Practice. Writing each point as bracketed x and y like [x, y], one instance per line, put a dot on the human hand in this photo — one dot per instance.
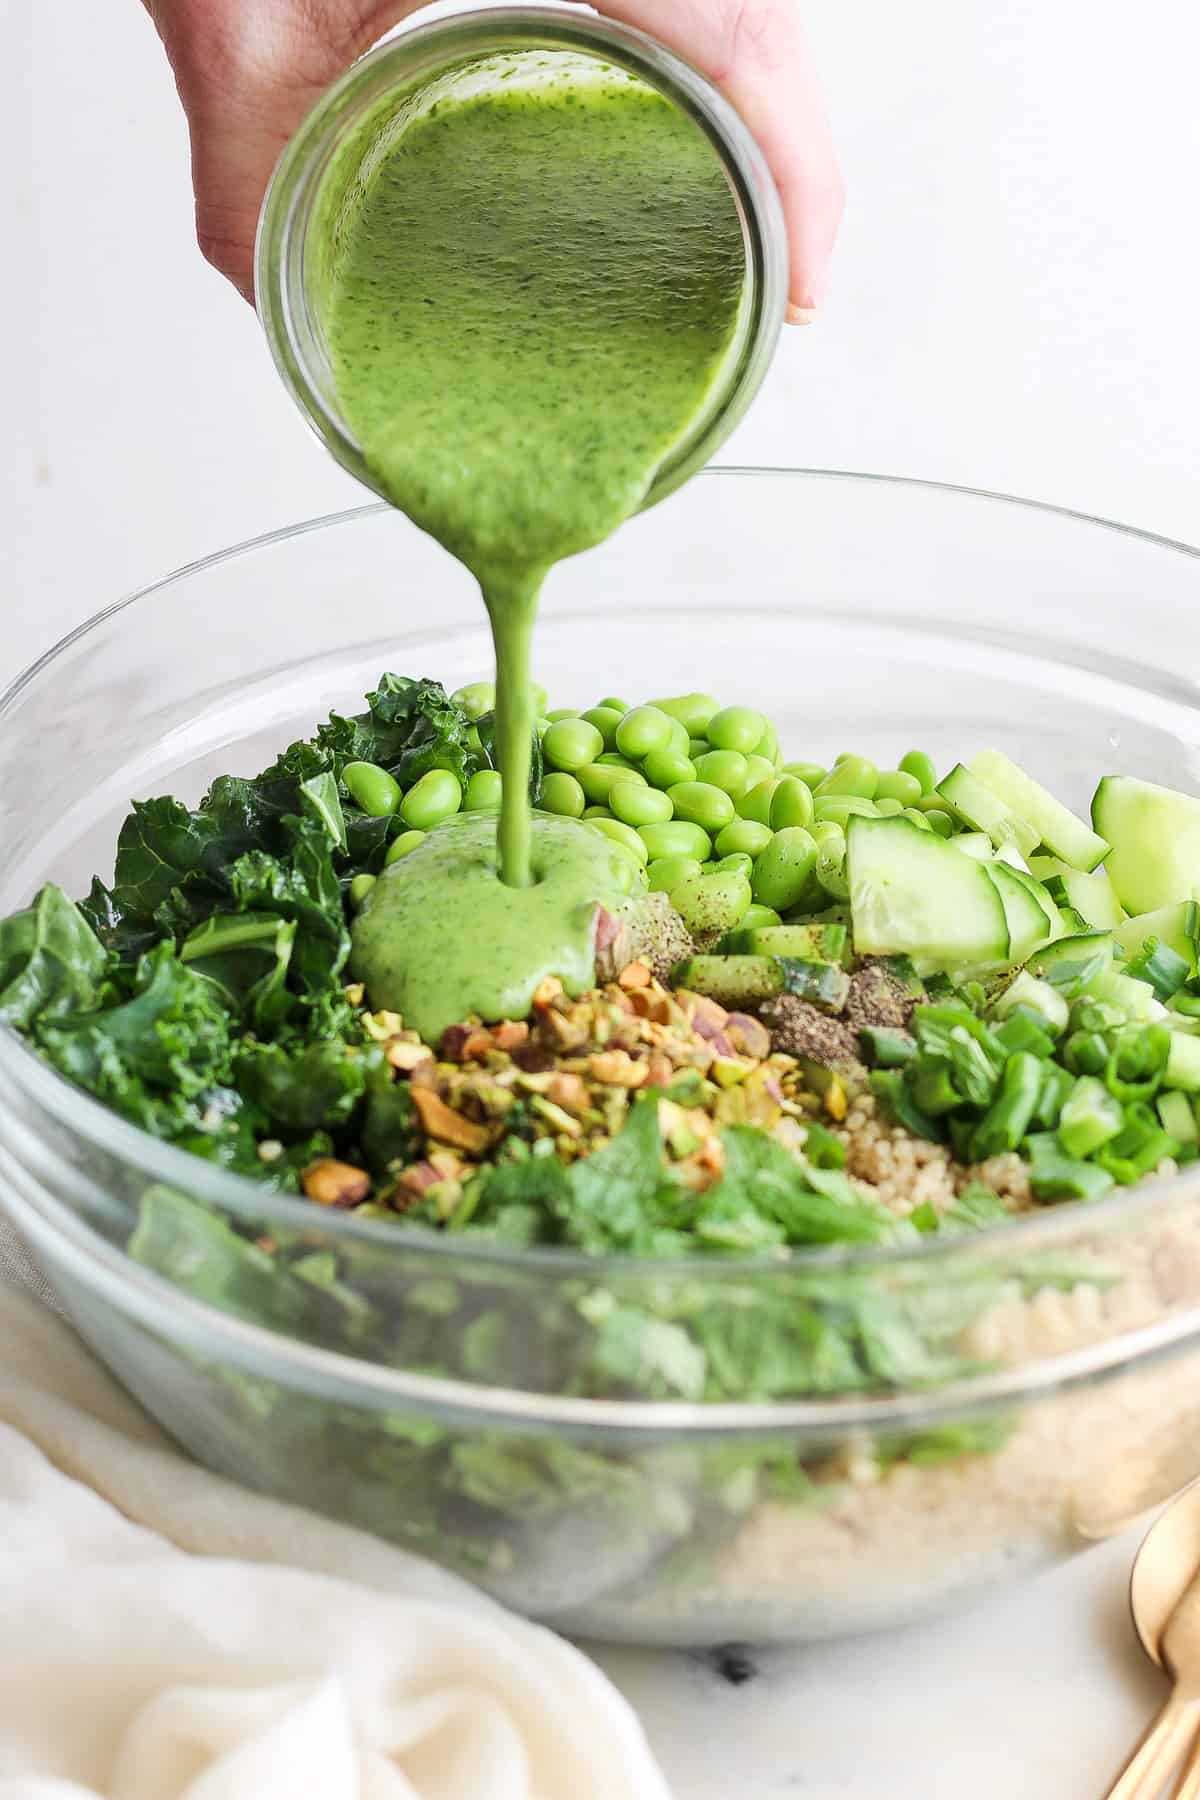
[249, 70]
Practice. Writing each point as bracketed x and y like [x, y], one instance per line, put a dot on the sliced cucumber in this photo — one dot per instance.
[1055, 826]
[1038, 996]
[1071, 962]
[1155, 838]
[913, 894]
[732, 980]
[1176, 926]
[819, 943]
[822, 984]
[1093, 897]
[975, 843]
[984, 810]
[1055, 928]
[1028, 922]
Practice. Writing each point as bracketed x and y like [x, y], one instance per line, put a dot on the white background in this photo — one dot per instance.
[1014, 306]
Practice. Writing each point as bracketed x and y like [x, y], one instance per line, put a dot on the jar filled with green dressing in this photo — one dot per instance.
[323, 303]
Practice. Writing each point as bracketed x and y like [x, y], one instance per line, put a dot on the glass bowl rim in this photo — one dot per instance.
[87, 1117]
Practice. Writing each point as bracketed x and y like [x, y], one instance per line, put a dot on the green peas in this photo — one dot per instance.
[610, 703]
[736, 864]
[377, 792]
[677, 837]
[605, 719]
[920, 767]
[840, 807]
[572, 743]
[624, 835]
[402, 846]
[755, 803]
[724, 769]
[636, 804]
[756, 916]
[692, 710]
[851, 775]
[783, 870]
[483, 792]
[744, 837]
[477, 698]
[598, 779]
[435, 797]
[887, 809]
[811, 774]
[736, 728]
[701, 804]
[791, 804]
[941, 822]
[894, 784]
[642, 730]
[360, 887]
[714, 903]
[697, 747]
[562, 794]
[758, 768]
[666, 872]
[663, 768]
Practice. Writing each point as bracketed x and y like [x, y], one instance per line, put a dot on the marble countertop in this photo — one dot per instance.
[1037, 1692]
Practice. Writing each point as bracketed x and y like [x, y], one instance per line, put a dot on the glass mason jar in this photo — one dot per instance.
[342, 134]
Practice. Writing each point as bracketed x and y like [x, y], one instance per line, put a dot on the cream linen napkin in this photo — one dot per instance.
[165, 1635]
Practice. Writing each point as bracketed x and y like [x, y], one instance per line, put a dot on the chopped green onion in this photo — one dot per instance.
[1024, 1030]
[1007, 1119]
[1090, 1117]
[1183, 1063]
[1178, 1118]
[888, 1085]
[932, 1089]
[1055, 1176]
[1086, 1053]
[886, 1048]
[1057, 1083]
[1164, 968]
[1138, 1063]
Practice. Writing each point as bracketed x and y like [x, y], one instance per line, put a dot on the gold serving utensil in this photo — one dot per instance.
[1164, 1597]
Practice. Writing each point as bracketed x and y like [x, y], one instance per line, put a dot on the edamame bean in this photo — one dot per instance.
[920, 767]
[605, 719]
[701, 804]
[840, 807]
[756, 916]
[736, 728]
[612, 704]
[755, 803]
[636, 804]
[663, 768]
[360, 887]
[562, 712]
[931, 802]
[540, 728]
[887, 808]
[811, 774]
[562, 794]
[894, 784]
[483, 791]
[595, 812]
[614, 760]
[679, 739]
[677, 837]
[725, 769]
[692, 710]
[624, 835]
[712, 903]
[642, 730]
[435, 797]
[372, 788]
[744, 837]
[572, 743]
[539, 697]
[402, 846]
[768, 746]
[831, 874]
[783, 871]
[758, 768]
[666, 872]
[791, 804]
[477, 698]
[598, 779]
[736, 864]
[918, 817]
[697, 747]
[851, 775]
[941, 822]
[825, 832]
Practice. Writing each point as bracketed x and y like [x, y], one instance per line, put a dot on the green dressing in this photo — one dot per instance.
[536, 279]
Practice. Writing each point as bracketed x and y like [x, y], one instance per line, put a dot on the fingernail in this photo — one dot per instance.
[800, 315]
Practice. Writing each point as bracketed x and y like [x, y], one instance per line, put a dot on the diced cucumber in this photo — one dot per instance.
[1178, 1116]
[913, 894]
[975, 843]
[1176, 926]
[1027, 990]
[819, 943]
[1135, 999]
[822, 984]
[1183, 1065]
[1069, 963]
[1093, 896]
[1155, 837]
[731, 980]
[984, 810]
[1056, 827]
[1028, 922]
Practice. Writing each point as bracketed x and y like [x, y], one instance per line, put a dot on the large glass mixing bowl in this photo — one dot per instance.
[494, 1423]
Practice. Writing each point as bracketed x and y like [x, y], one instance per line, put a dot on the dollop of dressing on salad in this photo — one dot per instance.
[442, 937]
[536, 277]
